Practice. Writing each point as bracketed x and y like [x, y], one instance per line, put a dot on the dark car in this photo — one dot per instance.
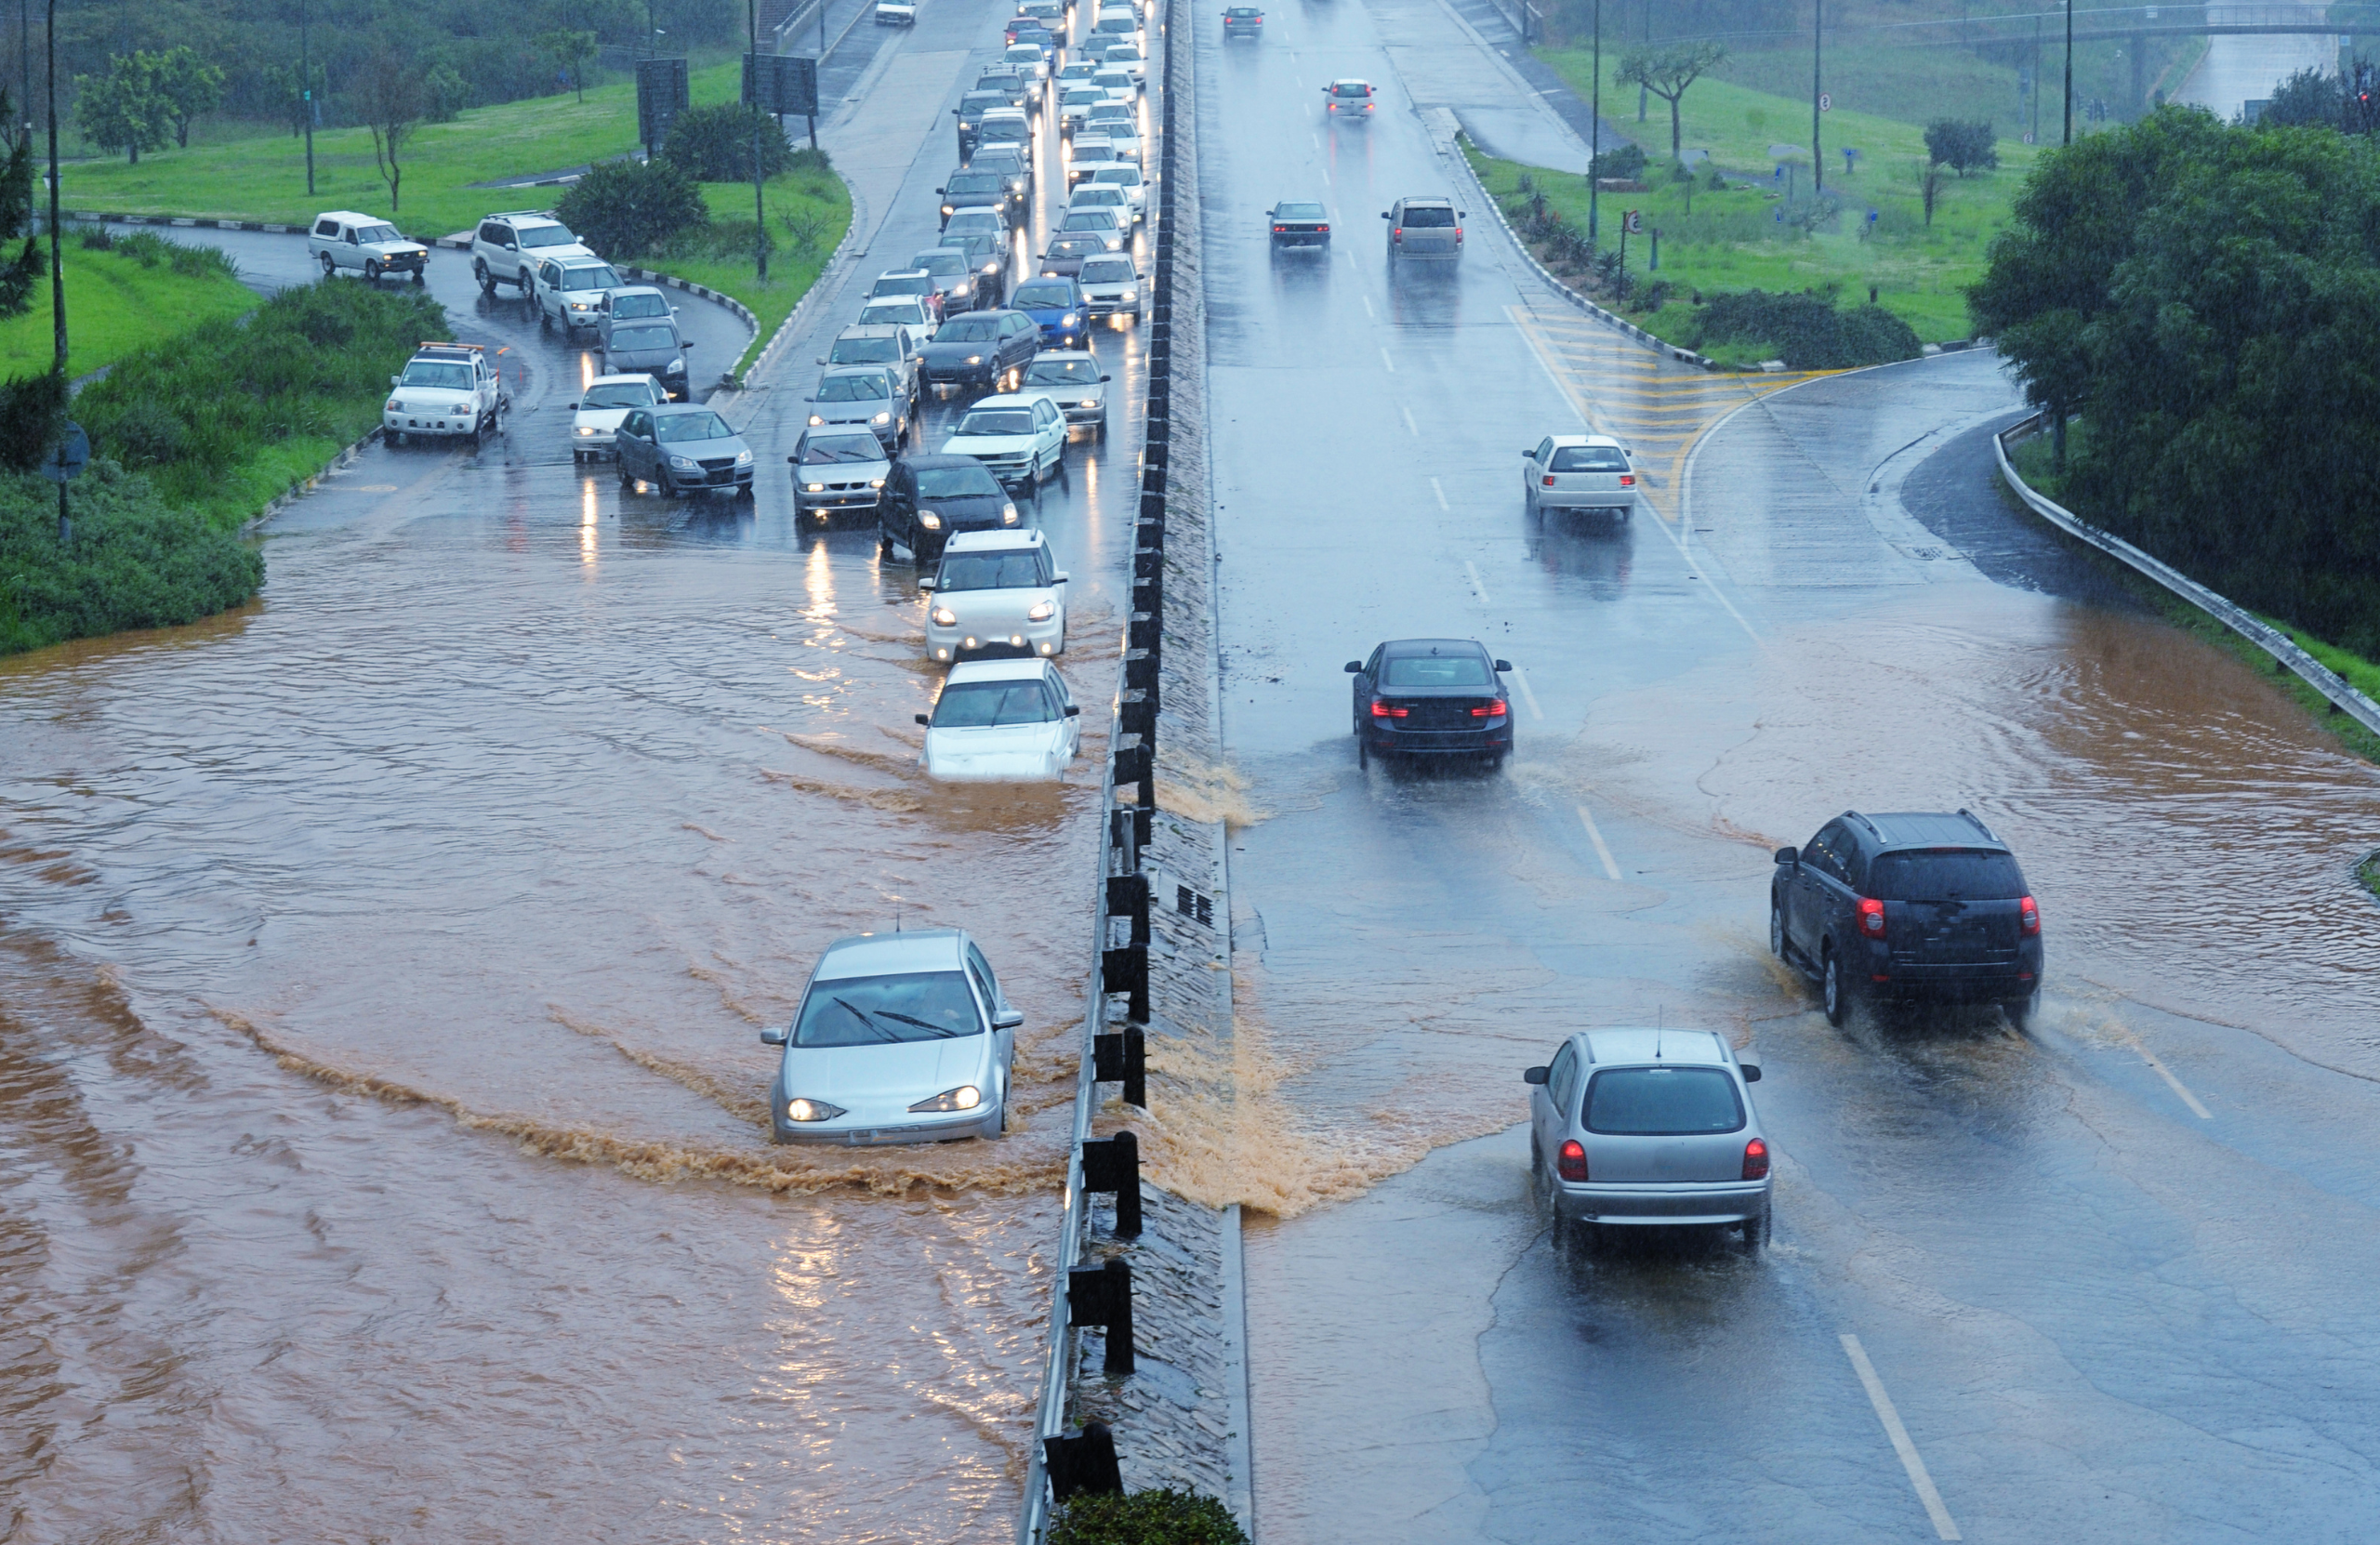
[648, 346]
[972, 190]
[927, 497]
[1067, 254]
[1008, 84]
[1432, 698]
[683, 448]
[1299, 224]
[1243, 22]
[953, 275]
[969, 113]
[1010, 161]
[1908, 907]
[979, 349]
[1057, 306]
[990, 266]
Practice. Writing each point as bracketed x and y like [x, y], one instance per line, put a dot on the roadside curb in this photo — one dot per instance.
[2344, 698]
[298, 490]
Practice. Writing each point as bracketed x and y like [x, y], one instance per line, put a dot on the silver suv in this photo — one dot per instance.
[448, 392]
[503, 247]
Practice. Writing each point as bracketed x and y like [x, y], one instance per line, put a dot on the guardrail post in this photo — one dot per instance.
[1124, 1058]
[1127, 896]
[1103, 1296]
[1083, 1466]
[1115, 1164]
[1120, 833]
[1126, 970]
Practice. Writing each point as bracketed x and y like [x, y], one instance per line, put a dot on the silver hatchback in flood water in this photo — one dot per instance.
[1649, 1127]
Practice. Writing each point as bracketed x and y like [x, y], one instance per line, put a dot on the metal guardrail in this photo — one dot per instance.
[2344, 698]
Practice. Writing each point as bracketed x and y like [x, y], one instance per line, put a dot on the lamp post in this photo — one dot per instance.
[1594, 128]
[2069, 101]
[760, 215]
[306, 94]
[57, 257]
[1817, 93]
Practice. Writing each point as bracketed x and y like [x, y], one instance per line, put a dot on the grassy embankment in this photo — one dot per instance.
[264, 178]
[115, 304]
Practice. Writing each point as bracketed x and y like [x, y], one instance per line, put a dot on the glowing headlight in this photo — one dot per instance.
[585, 429]
[1130, 294]
[811, 1110]
[684, 463]
[1090, 402]
[1115, 243]
[944, 618]
[876, 482]
[1042, 611]
[966, 1097]
[1068, 320]
[974, 359]
[1008, 514]
[928, 520]
[743, 458]
[815, 421]
[580, 306]
[884, 418]
[813, 488]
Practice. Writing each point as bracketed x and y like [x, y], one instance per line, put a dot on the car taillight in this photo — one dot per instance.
[2029, 915]
[1324, 228]
[1279, 228]
[1571, 1164]
[1627, 479]
[1756, 1160]
[1457, 234]
[1397, 235]
[1489, 710]
[1388, 710]
[1871, 916]
[1548, 480]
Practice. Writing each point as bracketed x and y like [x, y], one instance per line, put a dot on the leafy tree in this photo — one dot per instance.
[1666, 71]
[1962, 146]
[121, 109]
[2309, 96]
[186, 87]
[714, 144]
[1929, 186]
[387, 94]
[625, 210]
[571, 49]
[1626, 162]
[445, 94]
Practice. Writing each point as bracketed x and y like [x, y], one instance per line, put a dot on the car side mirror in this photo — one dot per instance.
[1462, 213]
[1536, 1074]
[1788, 855]
[1355, 668]
[1752, 1072]
[1058, 578]
[393, 380]
[925, 582]
[773, 1035]
[940, 190]
[1073, 710]
[570, 408]
[923, 719]
[793, 458]
[1529, 455]
[1008, 1019]
[822, 358]
[1383, 214]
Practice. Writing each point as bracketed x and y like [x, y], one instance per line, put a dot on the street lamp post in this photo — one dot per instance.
[1818, 91]
[1594, 128]
[2069, 98]
[306, 94]
[57, 255]
[759, 214]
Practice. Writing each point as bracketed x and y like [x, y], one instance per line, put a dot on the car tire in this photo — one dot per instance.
[1776, 930]
[371, 270]
[421, 276]
[487, 280]
[2021, 1010]
[627, 484]
[545, 323]
[1363, 750]
[1834, 991]
[329, 268]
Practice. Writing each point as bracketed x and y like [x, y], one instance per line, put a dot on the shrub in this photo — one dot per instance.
[33, 413]
[1963, 147]
[625, 210]
[1166, 1517]
[1627, 161]
[714, 144]
[135, 561]
[1808, 331]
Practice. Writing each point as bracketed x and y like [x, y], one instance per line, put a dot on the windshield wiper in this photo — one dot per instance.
[938, 1030]
[862, 1015]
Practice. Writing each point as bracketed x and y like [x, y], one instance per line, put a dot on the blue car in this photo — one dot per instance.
[1058, 307]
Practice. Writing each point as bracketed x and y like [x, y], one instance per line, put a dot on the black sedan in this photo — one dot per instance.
[979, 349]
[1299, 224]
[1432, 698]
[927, 497]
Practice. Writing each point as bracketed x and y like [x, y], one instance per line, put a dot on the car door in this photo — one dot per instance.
[987, 988]
[1820, 891]
[1362, 689]
[633, 444]
[899, 518]
[1549, 1104]
[1533, 464]
[1053, 429]
[1029, 340]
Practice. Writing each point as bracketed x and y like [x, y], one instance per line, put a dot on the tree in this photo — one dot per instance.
[1963, 147]
[1929, 186]
[186, 86]
[625, 210]
[1666, 71]
[714, 144]
[387, 94]
[2309, 96]
[571, 49]
[121, 110]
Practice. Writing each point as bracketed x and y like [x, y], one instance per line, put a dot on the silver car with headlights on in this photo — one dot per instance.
[996, 593]
[1633, 1129]
[901, 1038]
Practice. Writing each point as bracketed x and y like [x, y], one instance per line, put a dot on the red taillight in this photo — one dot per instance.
[1489, 710]
[1756, 1160]
[1627, 479]
[2029, 915]
[1323, 228]
[1548, 480]
[1388, 710]
[1280, 229]
[1871, 916]
[1457, 234]
[1571, 1164]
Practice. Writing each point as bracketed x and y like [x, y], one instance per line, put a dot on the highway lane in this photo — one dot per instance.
[2090, 1309]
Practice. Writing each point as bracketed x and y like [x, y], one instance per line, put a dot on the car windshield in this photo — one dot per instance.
[1945, 874]
[997, 421]
[852, 388]
[619, 394]
[911, 284]
[1064, 372]
[378, 234]
[967, 329]
[1118, 177]
[1100, 198]
[1663, 1102]
[1124, 53]
[639, 305]
[828, 449]
[869, 1011]
[1108, 270]
[1436, 670]
[1350, 89]
[590, 276]
[1588, 458]
[1112, 112]
[1089, 219]
[673, 428]
[989, 571]
[626, 340]
[943, 264]
[864, 351]
[438, 375]
[973, 220]
[955, 482]
[897, 308]
[976, 102]
[991, 705]
[977, 182]
[1044, 295]
[1298, 212]
[1085, 96]
[1428, 218]
[1074, 246]
[547, 235]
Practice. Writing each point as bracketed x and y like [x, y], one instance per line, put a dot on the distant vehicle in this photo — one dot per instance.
[343, 238]
[969, 113]
[1128, 56]
[1088, 156]
[886, 345]
[1243, 22]
[599, 409]
[1078, 72]
[1648, 1129]
[1002, 720]
[862, 397]
[1095, 194]
[1003, 126]
[929, 498]
[1051, 14]
[1013, 161]
[1128, 178]
[1075, 104]
[1068, 254]
[967, 188]
[1350, 99]
[1019, 437]
[1424, 228]
[681, 448]
[1005, 80]
[1432, 698]
[1034, 31]
[1074, 379]
[909, 283]
[447, 391]
[632, 303]
[901, 13]
[1057, 307]
[901, 1038]
[1113, 27]
[503, 246]
[1111, 286]
[1118, 84]
[837, 470]
[570, 293]
[1911, 908]
[1031, 60]
[954, 277]
[1120, 122]
[989, 252]
[995, 592]
[655, 348]
[981, 349]
[1299, 223]
[977, 221]
[899, 310]
[1577, 471]
[1113, 223]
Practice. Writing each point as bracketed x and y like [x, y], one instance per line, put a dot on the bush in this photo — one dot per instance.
[714, 144]
[625, 210]
[1962, 147]
[32, 415]
[1808, 331]
[1166, 1517]
[135, 561]
[1627, 161]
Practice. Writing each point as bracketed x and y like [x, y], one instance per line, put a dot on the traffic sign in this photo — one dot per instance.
[69, 457]
[1633, 223]
[660, 95]
[787, 84]
[1826, 101]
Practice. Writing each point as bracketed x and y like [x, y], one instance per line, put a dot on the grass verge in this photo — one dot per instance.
[115, 303]
[809, 210]
[135, 560]
[2369, 873]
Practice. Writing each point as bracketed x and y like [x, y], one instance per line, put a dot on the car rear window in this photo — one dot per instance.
[1662, 1102]
[864, 351]
[1428, 218]
[1436, 670]
[639, 305]
[1946, 874]
[872, 1010]
[909, 283]
[989, 571]
[1298, 212]
[1588, 458]
[1350, 89]
[997, 421]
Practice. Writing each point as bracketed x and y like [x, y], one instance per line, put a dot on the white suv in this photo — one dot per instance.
[505, 246]
[570, 292]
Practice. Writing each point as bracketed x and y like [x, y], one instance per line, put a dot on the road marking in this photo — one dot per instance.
[1367, 308]
[1437, 488]
[1416, 430]
[1899, 1435]
[2162, 1072]
[1520, 678]
[1478, 588]
[1596, 837]
[1387, 362]
[1316, 139]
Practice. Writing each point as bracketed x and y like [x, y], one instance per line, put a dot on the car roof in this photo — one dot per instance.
[1397, 647]
[927, 462]
[1563, 440]
[999, 670]
[1704, 1048]
[1928, 829]
[353, 215]
[624, 378]
[519, 217]
[639, 289]
[870, 329]
[994, 541]
[888, 953]
[1010, 400]
[678, 410]
[903, 274]
[1427, 199]
[1066, 356]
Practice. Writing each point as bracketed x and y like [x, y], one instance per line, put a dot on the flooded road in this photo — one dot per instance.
[381, 973]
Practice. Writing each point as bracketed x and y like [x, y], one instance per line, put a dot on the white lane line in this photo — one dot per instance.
[2162, 1072]
[1411, 427]
[1367, 308]
[1596, 837]
[1520, 679]
[1439, 490]
[1317, 140]
[1386, 364]
[1899, 1435]
[1478, 588]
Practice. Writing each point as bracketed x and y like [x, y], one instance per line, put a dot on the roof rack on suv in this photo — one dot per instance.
[1989, 834]
[426, 345]
[1854, 815]
[520, 214]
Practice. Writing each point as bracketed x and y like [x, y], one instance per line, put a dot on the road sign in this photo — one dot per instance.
[69, 457]
[1826, 101]
[1633, 223]
[787, 84]
[660, 96]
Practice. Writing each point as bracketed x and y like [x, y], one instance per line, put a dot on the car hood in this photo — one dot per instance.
[1106, 286]
[947, 351]
[597, 418]
[706, 450]
[394, 249]
[976, 609]
[1012, 752]
[841, 471]
[880, 1082]
[633, 360]
[1045, 313]
[987, 444]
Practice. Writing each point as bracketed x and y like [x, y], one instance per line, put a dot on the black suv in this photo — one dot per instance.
[1908, 907]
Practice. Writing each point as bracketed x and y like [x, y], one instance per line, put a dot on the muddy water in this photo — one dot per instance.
[380, 978]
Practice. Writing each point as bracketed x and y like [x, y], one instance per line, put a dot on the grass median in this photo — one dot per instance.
[118, 301]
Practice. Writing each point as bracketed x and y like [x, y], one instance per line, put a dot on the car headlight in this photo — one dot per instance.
[813, 488]
[685, 462]
[743, 458]
[395, 407]
[460, 408]
[876, 482]
[815, 421]
[580, 306]
[1008, 514]
[1130, 294]
[944, 618]
[1090, 402]
[1115, 243]
[928, 520]
[974, 359]
[585, 429]
[884, 418]
[1068, 320]
[966, 1097]
[1042, 610]
[677, 367]
[947, 211]
[811, 1110]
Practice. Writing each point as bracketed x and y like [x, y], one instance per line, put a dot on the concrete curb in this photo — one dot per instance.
[2344, 698]
[281, 501]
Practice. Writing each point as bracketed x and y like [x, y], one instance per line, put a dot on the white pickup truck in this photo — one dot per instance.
[901, 13]
[343, 238]
[448, 392]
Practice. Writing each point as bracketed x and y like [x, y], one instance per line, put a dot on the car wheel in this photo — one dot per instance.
[487, 280]
[329, 268]
[1833, 992]
[2020, 1011]
[371, 270]
[1363, 749]
[1776, 930]
[627, 484]
[545, 323]
[421, 276]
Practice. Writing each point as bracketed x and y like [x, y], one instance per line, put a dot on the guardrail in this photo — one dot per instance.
[2284, 650]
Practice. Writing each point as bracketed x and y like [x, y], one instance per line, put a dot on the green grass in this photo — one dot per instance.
[113, 305]
[728, 266]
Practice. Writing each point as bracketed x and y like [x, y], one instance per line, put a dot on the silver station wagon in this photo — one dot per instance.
[1632, 1129]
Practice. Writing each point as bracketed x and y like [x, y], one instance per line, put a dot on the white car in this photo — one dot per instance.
[343, 238]
[1128, 56]
[903, 13]
[448, 392]
[901, 1038]
[1029, 62]
[897, 310]
[1115, 25]
[1127, 176]
[505, 247]
[1078, 72]
[1112, 224]
[1111, 286]
[1005, 720]
[1096, 195]
[1120, 122]
[597, 413]
[1018, 436]
[995, 592]
[1579, 472]
[1089, 156]
[837, 470]
[569, 292]
[1118, 84]
[1074, 380]
[977, 222]
[1075, 104]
